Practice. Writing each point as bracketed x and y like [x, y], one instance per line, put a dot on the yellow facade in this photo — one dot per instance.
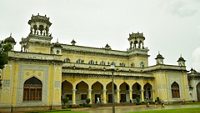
[58, 70]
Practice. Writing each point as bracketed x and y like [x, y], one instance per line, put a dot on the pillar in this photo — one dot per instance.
[130, 95]
[90, 95]
[73, 96]
[104, 96]
[118, 95]
[142, 94]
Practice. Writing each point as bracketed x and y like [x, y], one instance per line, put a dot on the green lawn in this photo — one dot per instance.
[64, 112]
[59, 112]
[184, 110]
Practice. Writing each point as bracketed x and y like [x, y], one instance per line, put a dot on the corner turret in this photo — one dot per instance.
[159, 59]
[181, 61]
[136, 40]
[39, 38]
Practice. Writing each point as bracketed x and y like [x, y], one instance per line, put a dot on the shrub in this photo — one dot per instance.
[87, 100]
[137, 100]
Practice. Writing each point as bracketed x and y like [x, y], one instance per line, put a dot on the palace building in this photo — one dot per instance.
[43, 72]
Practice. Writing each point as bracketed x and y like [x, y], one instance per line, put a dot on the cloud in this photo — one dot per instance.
[182, 8]
[196, 59]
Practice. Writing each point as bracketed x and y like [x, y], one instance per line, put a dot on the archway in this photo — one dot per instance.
[67, 90]
[148, 91]
[109, 92]
[124, 92]
[32, 90]
[97, 89]
[198, 91]
[136, 88]
[175, 90]
[82, 92]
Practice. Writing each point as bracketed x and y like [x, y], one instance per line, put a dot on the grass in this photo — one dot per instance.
[62, 112]
[183, 110]
[58, 111]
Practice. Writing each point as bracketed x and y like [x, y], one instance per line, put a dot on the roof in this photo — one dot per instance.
[159, 56]
[181, 59]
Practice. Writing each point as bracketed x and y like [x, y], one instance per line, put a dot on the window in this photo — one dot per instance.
[32, 90]
[79, 61]
[142, 64]
[102, 63]
[122, 64]
[113, 63]
[175, 90]
[57, 52]
[66, 60]
[91, 62]
[132, 65]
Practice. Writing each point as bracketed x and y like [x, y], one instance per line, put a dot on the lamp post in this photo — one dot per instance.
[112, 67]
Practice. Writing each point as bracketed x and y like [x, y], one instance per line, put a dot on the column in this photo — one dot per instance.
[90, 95]
[73, 96]
[118, 96]
[104, 96]
[130, 95]
[153, 94]
[142, 94]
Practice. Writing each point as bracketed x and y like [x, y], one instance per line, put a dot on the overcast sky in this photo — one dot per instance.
[169, 26]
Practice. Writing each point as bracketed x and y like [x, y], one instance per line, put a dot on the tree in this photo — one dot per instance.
[4, 48]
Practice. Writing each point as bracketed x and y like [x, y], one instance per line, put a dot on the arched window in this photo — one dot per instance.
[175, 90]
[66, 60]
[91, 62]
[132, 65]
[113, 63]
[79, 61]
[102, 63]
[122, 64]
[32, 90]
[142, 64]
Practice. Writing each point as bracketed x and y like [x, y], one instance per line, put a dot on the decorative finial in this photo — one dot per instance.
[57, 40]
[10, 34]
[38, 13]
[73, 42]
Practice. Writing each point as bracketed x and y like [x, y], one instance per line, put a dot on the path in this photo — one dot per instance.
[125, 109]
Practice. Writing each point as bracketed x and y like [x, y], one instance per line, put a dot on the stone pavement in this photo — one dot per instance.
[126, 109]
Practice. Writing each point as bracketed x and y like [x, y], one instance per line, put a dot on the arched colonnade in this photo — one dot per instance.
[101, 92]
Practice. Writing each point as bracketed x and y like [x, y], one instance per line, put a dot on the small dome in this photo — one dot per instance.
[73, 42]
[181, 59]
[107, 46]
[10, 39]
[159, 56]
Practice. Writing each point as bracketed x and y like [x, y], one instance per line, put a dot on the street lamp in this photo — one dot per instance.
[112, 67]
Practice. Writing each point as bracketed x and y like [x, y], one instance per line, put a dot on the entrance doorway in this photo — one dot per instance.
[123, 98]
[109, 98]
[97, 98]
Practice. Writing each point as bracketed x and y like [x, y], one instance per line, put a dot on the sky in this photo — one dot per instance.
[171, 27]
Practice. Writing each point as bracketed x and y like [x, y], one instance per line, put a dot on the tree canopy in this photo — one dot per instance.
[4, 48]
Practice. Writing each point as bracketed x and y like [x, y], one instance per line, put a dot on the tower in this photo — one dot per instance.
[39, 38]
[138, 54]
[136, 40]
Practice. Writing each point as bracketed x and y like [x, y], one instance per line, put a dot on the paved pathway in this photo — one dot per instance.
[126, 109]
